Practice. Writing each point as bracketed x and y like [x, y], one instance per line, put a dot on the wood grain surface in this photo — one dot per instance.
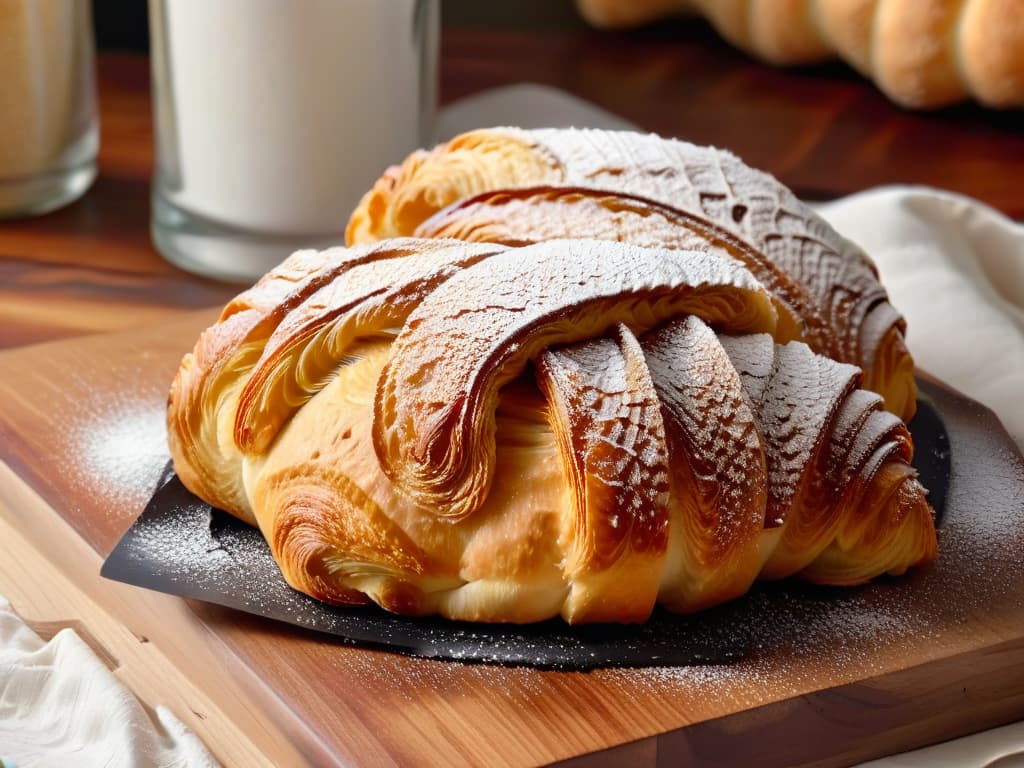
[82, 425]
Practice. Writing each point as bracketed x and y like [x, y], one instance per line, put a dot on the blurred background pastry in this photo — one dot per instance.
[920, 53]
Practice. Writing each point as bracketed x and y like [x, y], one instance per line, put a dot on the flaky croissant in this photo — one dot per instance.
[515, 187]
[920, 53]
[580, 428]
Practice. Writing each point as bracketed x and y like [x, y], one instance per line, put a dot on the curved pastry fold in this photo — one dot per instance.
[314, 338]
[718, 471]
[202, 396]
[533, 215]
[607, 419]
[434, 418]
[203, 400]
[700, 183]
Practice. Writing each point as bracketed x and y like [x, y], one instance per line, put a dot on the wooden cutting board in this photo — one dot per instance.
[81, 433]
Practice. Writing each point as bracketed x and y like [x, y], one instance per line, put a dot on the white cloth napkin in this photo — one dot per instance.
[60, 706]
[1003, 746]
[955, 269]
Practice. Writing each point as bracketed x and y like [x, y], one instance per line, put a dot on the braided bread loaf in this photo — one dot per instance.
[571, 427]
[920, 53]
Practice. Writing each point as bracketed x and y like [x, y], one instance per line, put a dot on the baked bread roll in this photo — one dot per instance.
[515, 187]
[920, 53]
[580, 428]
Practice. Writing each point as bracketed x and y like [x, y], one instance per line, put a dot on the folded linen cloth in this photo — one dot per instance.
[1000, 746]
[60, 706]
[955, 269]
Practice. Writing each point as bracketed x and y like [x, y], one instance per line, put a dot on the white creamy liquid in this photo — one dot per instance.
[276, 115]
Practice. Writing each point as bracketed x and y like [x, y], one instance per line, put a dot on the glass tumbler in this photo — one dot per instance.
[49, 132]
[273, 117]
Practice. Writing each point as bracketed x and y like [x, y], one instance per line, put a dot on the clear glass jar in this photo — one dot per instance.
[49, 132]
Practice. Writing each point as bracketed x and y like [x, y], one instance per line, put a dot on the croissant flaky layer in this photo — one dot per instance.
[580, 428]
[516, 187]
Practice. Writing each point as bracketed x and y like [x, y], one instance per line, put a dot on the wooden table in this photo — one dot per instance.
[91, 268]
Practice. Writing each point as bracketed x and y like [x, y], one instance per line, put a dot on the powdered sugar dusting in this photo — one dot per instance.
[122, 452]
[617, 439]
[533, 215]
[478, 330]
[750, 203]
[116, 446]
[701, 392]
[794, 413]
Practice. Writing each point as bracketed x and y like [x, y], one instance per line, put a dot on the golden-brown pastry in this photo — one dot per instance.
[920, 53]
[202, 404]
[580, 428]
[514, 187]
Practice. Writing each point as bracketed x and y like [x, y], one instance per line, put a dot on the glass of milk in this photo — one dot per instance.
[273, 117]
[49, 132]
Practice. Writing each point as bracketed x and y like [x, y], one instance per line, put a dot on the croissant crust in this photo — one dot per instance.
[517, 187]
[581, 428]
